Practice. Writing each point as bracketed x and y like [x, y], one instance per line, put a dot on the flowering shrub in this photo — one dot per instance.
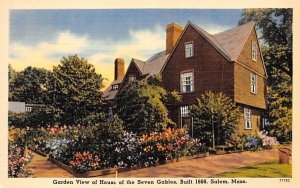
[253, 143]
[85, 161]
[17, 161]
[267, 141]
[167, 145]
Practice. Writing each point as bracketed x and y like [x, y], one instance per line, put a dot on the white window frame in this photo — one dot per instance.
[115, 87]
[189, 49]
[186, 82]
[253, 83]
[247, 117]
[184, 111]
[28, 109]
[254, 51]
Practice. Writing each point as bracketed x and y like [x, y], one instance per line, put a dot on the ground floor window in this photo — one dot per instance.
[247, 114]
[186, 121]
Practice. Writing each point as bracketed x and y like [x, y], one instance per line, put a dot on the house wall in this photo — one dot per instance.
[242, 71]
[211, 71]
[255, 121]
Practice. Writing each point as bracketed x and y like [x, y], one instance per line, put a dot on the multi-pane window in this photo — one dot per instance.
[253, 78]
[247, 114]
[189, 49]
[253, 50]
[187, 82]
[115, 87]
[184, 111]
[28, 109]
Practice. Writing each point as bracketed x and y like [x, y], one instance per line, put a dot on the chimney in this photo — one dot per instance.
[119, 68]
[173, 32]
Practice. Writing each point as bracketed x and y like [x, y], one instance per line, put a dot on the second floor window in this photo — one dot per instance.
[115, 87]
[189, 49]
[187, 82]
[253, 51]
[253, 78]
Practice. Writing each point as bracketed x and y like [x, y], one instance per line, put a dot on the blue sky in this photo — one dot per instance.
[42, 37]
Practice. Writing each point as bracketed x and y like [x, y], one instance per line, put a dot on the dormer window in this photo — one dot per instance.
[189, 49]
[253, 51]
[115, 87]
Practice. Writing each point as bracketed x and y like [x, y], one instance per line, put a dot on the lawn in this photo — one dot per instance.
[264, 170]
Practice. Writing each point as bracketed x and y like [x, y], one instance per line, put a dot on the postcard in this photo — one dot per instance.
[156, 95]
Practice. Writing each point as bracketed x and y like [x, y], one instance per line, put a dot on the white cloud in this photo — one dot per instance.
[141, 44]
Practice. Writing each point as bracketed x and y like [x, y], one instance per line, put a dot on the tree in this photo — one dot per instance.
[28, 85]
[215, 118]
[275, 26]
[74, 89]
[141, 105]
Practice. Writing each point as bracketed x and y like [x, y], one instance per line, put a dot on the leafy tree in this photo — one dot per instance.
[275, 27]
[28, 85]
[141, 105]
[74, 90]
[215, 118]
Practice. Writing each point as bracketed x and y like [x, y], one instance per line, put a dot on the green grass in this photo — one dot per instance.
[264, 170]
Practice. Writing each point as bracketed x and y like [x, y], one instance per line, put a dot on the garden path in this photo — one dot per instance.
[204, 167]
[42, 168]
[201, 167]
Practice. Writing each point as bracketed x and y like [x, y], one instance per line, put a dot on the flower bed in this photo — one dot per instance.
[94, 173]
[132, 151]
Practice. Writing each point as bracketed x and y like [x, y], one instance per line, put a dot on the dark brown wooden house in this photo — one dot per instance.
[196, 61]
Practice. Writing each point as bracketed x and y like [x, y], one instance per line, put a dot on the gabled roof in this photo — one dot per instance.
[233, 40]
[109, 94]
[229, 43]
[153, 65]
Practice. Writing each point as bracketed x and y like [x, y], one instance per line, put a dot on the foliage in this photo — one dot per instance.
[85, 161]
[267, 141]
[17, 161]
[167, 145]
[215, 118]
[275, 26]
[28, 85]
[141, 105]
[156, 148]
[18, 157]
[253, 143]
[74, 90]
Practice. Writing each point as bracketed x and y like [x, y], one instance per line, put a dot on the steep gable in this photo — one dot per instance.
[244, 57]
[233, 40]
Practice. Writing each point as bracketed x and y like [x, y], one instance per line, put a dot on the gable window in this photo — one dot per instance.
[187, 82]
[131, 78]
[247, 114]
[184, 111]
[253, 50]
[253, 78]
[115, 87]
[28, 109]
[189, 49]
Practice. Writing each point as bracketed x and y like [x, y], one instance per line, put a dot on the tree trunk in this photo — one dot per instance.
[213, 131]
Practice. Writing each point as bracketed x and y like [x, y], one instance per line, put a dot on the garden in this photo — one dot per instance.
[81, 132]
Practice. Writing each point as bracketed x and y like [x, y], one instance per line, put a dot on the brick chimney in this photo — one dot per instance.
[119, 68]
[173, 33]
